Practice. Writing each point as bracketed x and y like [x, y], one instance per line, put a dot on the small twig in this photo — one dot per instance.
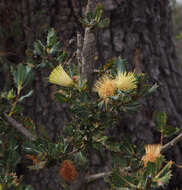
[171, 143]
[68, 62]
[73, 152]
[79, 50]
[104, 174]
[79, 47]
[97, 176]
[149, 182]
[20, 127]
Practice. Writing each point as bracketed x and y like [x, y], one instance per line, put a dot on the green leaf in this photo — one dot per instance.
[98, 12]
[55, 48]
[101, 104]
[51, 37]
[170, 130]
[128, 147]
[116, 178]
[90, 16]
[160, 119]
[39, 47]
[22, 75]
[11, 94]
[151, 90]
[100, 138]
[119, 160]
[164, 175]
[84, 23]
[120, 65]
[60, 97]
[29, 188]
[81, 160]
[104, 23]
[113, 147]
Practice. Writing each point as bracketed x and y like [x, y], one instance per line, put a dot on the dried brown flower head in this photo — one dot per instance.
[67, 171]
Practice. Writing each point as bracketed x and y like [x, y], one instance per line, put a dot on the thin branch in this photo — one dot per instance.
[104, 174]
[79, 51]
[97, 176]
[171, 143]
[20, 127]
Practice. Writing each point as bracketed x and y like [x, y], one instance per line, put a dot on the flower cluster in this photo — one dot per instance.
[106, 86]
[67, 171]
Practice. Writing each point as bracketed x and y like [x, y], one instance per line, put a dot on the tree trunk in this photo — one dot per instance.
[140, 31]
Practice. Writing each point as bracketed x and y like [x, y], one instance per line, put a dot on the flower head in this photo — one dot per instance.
[125, 81]
[152, 153]
[67, 170]
[105, 87]
[60, 77]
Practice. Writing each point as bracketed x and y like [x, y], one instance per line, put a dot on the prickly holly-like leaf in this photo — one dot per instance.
[164, 175]
[38, 48]
[98, 12]
[101, 104]
[103, 23]
[127, 147]
[22, 75]
[90, 17]
[84, 23]
[60, 97]
[51, 37]
[170, 130]
[55, 47]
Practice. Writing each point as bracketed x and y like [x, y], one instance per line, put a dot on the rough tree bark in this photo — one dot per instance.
[140, 31]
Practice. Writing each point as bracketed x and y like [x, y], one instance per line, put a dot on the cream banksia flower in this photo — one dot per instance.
[60, 77]
[105, 87]
[125, 81]
[152, 153]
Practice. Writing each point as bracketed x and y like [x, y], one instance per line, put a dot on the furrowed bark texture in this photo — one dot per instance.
[140, 31]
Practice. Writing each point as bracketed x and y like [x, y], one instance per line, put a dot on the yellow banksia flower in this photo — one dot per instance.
[105, 87]
[67, 171]
[60, 77]
[152, 153]
[125, 81]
